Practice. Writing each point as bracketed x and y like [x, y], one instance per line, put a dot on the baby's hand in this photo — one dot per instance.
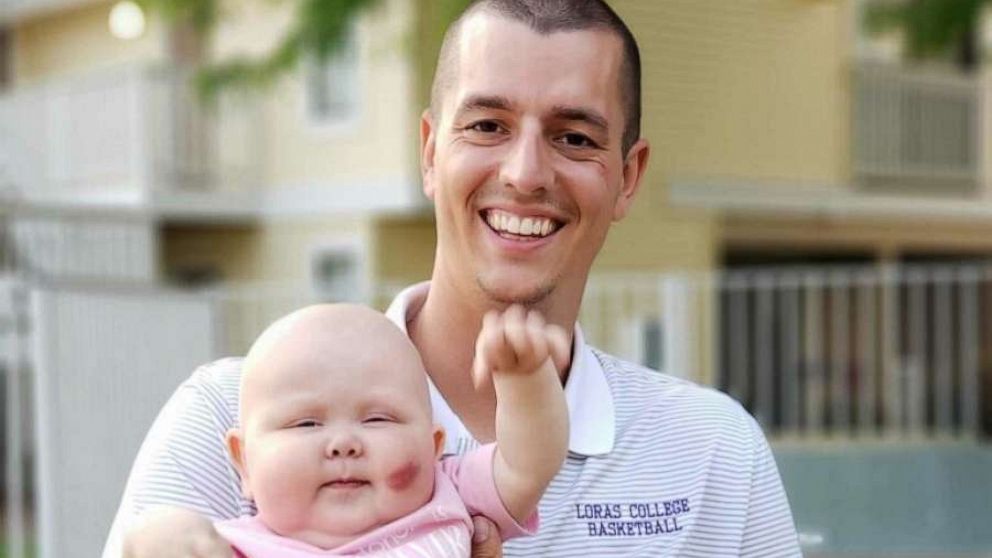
[517, 341]
[522, 356]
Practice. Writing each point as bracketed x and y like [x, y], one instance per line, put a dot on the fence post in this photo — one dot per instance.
[789, 331]
[678, 329]
[16, 335]
[867, 335]
[968, 391]
[763, 360]
[42, 318]
[891, 328]
[813, 353]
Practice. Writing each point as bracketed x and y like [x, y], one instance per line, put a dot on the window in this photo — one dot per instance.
[336, 273]
[6, 55]
[653, 344]
[332, 88]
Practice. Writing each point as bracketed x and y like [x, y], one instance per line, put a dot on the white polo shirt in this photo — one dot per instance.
[657, 466]
[590, 405]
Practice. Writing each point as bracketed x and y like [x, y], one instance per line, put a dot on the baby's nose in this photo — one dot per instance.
[344, 445]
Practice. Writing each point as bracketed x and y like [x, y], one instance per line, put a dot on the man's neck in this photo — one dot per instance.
[444, 332]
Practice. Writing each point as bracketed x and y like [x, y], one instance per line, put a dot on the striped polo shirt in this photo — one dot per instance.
[657, 466]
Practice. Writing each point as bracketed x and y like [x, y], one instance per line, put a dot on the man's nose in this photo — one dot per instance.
[344, 444]
[527, 167]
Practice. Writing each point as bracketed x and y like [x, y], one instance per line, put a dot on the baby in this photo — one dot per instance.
[339, 452]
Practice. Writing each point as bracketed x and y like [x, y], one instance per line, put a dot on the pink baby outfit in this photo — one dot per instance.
[463, 486]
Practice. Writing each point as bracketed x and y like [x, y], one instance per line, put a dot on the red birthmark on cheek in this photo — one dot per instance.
[402, 478]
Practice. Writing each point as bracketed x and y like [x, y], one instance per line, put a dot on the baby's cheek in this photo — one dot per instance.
[403, 477]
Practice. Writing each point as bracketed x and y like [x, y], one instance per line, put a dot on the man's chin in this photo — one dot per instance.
[527, 293]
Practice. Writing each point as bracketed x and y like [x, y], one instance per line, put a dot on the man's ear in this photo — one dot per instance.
[633, 172]
[439, 437]
[236, 448]
[427, 142]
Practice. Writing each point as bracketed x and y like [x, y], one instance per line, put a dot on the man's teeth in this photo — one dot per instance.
[523, 226]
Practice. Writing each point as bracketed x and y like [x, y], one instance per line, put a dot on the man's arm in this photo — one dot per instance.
[183, 463]
[174, 533]
[770, 530]
[520, 352]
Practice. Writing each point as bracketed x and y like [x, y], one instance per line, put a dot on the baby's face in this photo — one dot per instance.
[337, 434]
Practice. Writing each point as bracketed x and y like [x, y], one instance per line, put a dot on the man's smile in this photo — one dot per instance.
[511, 225]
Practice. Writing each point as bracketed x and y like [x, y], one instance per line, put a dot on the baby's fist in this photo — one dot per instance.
[517, 341]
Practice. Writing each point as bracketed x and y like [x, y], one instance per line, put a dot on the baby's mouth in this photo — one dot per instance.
[345, 484]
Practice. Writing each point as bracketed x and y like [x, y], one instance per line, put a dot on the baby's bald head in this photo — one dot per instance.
[346, 339]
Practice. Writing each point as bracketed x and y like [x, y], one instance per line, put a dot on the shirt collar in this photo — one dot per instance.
[591, 414]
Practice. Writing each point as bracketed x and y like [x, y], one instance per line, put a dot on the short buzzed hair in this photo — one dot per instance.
[546, 17]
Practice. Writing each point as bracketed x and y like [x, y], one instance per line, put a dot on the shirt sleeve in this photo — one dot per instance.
[472, 475]
[183, 460]
[769, 530]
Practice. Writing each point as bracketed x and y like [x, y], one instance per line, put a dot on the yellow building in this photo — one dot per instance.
[749, 107]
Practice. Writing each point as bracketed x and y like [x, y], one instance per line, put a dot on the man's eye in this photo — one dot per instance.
[576, 140]
[485, 127]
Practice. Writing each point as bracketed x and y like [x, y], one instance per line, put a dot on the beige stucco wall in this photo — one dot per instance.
[276, 252]
[747, 91]
[655, 239]
[78, 40]
[752, 88]
[378, 144]
[404, 248]
[285, 248]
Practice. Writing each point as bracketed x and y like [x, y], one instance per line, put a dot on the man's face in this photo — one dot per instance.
[336, 440]
[524, 162]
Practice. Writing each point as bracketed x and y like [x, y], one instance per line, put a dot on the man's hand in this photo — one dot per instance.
[486, 541]
[175, 533]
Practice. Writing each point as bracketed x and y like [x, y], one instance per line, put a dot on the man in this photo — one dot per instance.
[531, 150]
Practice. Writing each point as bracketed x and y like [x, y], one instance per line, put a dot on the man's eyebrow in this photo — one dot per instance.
[481, 102]
[588, 116]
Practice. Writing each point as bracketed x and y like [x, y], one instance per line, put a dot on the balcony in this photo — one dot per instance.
[125, 137]
[916, 150]
[915, 129]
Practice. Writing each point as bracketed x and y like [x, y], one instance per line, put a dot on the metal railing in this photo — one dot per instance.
[840, 352]
[47, 244]
[916, 128]
[861, 352]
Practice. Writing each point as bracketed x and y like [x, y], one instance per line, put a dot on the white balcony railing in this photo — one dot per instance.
[118, 135]
[915, 128]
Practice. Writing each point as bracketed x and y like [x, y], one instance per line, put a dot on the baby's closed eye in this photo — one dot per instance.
[379, 419]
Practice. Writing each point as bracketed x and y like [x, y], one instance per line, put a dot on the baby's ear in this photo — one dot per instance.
[438, 441]
[236, 448]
